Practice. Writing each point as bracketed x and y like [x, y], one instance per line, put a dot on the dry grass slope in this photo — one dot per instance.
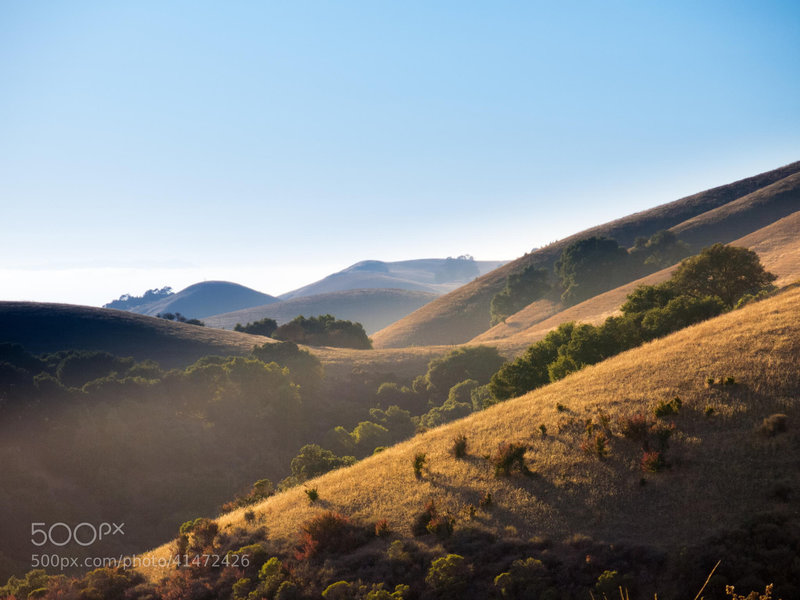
[722, 473]
[463, 314]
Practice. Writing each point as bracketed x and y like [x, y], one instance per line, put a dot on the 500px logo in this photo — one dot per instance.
[83, 534]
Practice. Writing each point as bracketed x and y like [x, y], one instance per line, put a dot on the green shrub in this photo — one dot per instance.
[668, 409]
[460, 446]
[420, 461]
[449, 576]
[509, 457]
[313, 495]
[596, 445]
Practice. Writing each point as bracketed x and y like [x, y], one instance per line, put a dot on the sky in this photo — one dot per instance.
[152, 143]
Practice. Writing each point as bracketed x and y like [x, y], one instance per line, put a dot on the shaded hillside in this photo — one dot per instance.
[373, 308]
[206, 298]
[464, 313]
[720, 454]
[433, 275]
[777, 245]
[744, 215]
[41, 327]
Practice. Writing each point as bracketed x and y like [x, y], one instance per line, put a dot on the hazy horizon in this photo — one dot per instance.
[146, 144]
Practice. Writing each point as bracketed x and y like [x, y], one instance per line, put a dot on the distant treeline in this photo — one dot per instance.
[586, 268]
[127, 301]
[324, 330]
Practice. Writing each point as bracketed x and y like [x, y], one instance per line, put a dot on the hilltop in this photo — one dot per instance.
[374, 308]
[464, 313]
[432, 275]
[206, 298]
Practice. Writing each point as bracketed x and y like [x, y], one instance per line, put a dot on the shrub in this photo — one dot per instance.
[341, 590]
[423, 519]
[382, 529]
[449, 576]
[543, 430]
[249, 516]
[667, 409]
[635, 428]
[441, 526]
[420, 461]
[596, 445]
[486, 500]
[730, 381]
[526, 578]
[773, 425]
[329, 533]
[460, 446]
[653, 462]
[313, 495]
[509, 457]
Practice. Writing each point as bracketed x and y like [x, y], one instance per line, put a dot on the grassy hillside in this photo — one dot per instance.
[723, 469]
[434, 275]
[374, 308]
[207, 298]
[464, 313]
[777, 245]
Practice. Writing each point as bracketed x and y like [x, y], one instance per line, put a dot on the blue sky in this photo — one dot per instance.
[157, 143]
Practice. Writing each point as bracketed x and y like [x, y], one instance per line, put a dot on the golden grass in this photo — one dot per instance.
[723, 470]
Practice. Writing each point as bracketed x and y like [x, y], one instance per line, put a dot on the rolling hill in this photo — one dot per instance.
[374, 308]
[44, 327]
[464, 313]
[777, 245]
[206, 298]
[433, 275]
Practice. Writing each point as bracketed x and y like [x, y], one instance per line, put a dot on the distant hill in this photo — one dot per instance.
[204, 299]
[374, 308]
[434, 275]
[464, 313]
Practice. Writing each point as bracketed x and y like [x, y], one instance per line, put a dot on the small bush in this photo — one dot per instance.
[635, 428]
[486, 501]
[653, 462]
[730, 381]
[460, 446]
[709, 411]
[329, 533]
[441, 526]
[667, 409]
[710, 381]
[596, 445]
[509, 457]
[561, 408]
[421, 521]
[774, 424]
[313, 495]
[543, 430]
[249, 516]
[449, 576]
[420, 461]
[382, 529]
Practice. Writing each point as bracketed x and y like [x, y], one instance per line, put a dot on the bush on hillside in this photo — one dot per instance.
[265, 326]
